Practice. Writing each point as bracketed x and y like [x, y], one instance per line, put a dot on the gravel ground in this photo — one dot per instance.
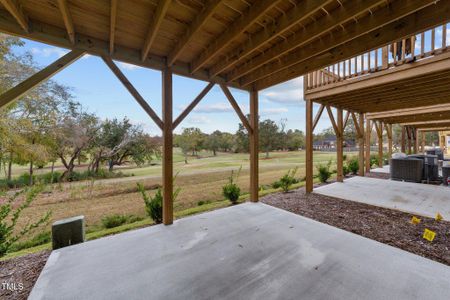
[384, 225]
[20, 274]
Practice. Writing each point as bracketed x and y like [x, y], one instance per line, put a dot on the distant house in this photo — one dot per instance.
[329, 143]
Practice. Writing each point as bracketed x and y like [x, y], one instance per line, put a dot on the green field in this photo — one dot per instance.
[200, 180]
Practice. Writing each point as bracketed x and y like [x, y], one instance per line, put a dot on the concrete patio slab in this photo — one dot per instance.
[249, 251]
[416, 198]
[384, 170]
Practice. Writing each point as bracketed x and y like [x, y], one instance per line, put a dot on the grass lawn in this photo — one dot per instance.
[200, 180]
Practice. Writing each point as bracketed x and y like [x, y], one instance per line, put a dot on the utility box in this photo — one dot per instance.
[68, 232]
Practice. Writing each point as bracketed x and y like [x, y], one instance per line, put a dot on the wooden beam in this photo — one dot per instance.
[296, 15]
[236, 107]
[167, 153]
[254, 146]
[155, 24]
[112, 26]
[361, 145]
[423, 19]
[67, 18]
[338, 17]
[351, 32]
[16, 11]
[357, 127]
[318, 115]
[309, 146]
[333, 122]
[340, 146]
[209, 9]
[53, 35]
[127, 84]
[34, 80]
[368, 136]
[347, 115]
[192, 105]
[238, 27]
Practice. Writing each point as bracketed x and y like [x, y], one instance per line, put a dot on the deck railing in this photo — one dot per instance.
[428, 43]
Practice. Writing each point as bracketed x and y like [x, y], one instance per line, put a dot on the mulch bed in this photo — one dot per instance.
[384, 225]
[21, 271]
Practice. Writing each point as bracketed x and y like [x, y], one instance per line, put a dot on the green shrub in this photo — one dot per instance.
[231, 190]
[373, 160]
[287, 180]
[345, 169]
[10, 213]
[153, 205]
[324, 171]
[353, 165]
[114, 221]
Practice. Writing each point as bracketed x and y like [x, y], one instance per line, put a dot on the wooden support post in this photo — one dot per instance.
[380, 144]
[340, 145]
[44, 74]
[408, 132]
[309, 146]
[416, 140]
[167, 155]
[389, 135]
[384, 57]
[368, 135]
[403, 138]
[254, 146]
[361, 145]
[422, 133]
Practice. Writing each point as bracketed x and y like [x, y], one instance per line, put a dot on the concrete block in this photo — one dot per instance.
[68, 232]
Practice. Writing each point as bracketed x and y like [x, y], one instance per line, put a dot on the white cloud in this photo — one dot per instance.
[130, 67]
[274, 111]
[86, 56]
[290, 92]
[198, 120]
[47, 52]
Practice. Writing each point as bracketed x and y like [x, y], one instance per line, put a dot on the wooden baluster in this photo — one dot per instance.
[444, 36]
[413, 46]
[403, 50]
[356, 65]
[362, 63]
[395, 53]
[376, 59]
[384, 57]
[343, 68]
[433, 38]
[349, 67]
[422, 44]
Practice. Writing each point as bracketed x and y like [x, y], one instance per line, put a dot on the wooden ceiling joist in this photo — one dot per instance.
[67, 18]
[250, 45]
[280, 26]
[112, 26]
[16, 11]
[428, 17]
[157, 18]
[365, 25]
[342, 14]
[247, 19]
[193, 29]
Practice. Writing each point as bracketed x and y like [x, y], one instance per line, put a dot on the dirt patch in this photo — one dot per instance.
[384, 225]
[18, 275]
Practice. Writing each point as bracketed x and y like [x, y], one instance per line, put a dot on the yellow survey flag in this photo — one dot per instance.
[438, 217]
[429, 235]
[415, 220]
